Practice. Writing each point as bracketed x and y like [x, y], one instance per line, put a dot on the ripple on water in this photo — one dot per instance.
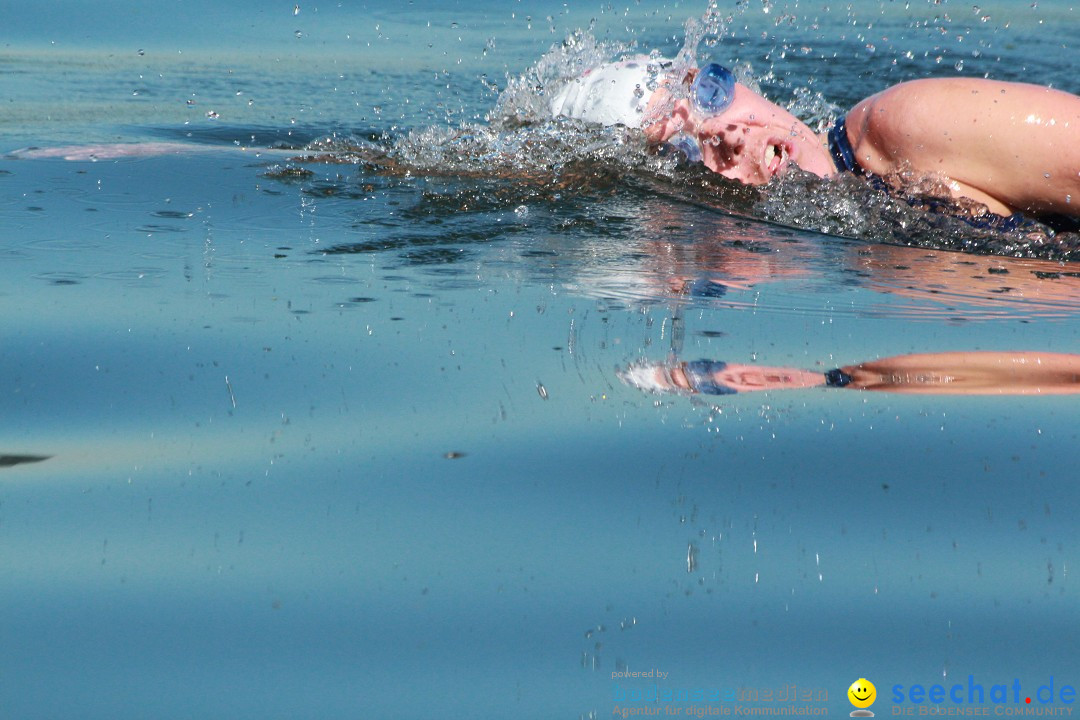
[161, 229]
[13, 254]
[334, 280]
[134, 276]
[62, 277]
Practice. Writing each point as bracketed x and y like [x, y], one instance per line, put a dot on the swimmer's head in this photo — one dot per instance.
[750, 139]
[685, 378]
[613, 94]
[714, 377]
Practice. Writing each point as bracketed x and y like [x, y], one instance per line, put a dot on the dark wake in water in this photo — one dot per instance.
[554, 162]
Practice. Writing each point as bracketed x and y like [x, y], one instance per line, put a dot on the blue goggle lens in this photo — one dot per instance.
[713, 90]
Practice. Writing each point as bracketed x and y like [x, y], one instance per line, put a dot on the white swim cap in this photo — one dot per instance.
[649, 377]
[612, 94]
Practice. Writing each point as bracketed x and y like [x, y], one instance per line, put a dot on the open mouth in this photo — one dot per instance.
[720, 156]
[775, 157]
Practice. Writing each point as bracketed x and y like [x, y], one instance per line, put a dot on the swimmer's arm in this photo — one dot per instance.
[1011, 146]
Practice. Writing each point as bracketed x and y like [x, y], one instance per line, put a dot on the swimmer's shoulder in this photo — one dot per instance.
[1010, 145]
[934, 114]
[911, 118]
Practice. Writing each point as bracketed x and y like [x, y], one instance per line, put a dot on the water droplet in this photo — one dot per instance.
[691, 557]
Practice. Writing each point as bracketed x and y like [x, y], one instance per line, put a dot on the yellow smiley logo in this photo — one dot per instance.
[862, 693]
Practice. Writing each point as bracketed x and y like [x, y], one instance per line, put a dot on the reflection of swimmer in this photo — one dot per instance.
[1002, 287]
[722, 260]
[952, 373]
[1010, 146]
[651, 267]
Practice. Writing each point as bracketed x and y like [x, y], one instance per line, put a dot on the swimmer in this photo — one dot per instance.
[1012, 147]
[949, 373]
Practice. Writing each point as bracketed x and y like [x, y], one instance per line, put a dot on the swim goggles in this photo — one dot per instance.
[711, 93]
[713, 89]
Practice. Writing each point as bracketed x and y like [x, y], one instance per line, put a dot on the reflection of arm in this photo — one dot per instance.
[970, 373]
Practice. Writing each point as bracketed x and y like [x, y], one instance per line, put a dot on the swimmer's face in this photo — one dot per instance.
[752, 141]
[747, 378]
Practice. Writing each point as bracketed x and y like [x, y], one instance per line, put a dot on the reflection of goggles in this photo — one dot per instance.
[711, 93]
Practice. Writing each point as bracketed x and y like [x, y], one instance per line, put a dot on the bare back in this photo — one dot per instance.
[1012, 146]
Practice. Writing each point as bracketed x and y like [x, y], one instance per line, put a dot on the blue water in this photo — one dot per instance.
[352, 444]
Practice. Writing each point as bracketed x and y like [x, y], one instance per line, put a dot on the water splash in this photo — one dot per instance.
[525, 98]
